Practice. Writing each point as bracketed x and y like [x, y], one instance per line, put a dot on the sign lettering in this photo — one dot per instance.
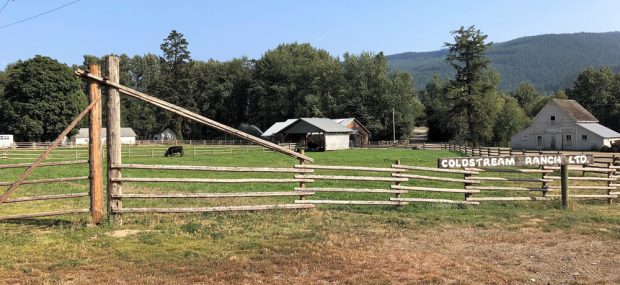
[508, 161]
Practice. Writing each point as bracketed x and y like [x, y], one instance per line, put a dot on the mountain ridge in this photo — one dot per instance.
[550, 61]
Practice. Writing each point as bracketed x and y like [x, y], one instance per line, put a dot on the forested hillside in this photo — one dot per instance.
[549, 62]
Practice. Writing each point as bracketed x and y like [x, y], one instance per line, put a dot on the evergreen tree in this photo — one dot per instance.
[473, 87]
[177, 85]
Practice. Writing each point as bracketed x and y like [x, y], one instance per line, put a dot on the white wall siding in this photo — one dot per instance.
[6, 141]
[128, 140]
[336, 141]
[124, 140]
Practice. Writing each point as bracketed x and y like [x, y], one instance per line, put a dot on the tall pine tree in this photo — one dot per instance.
[473, 91]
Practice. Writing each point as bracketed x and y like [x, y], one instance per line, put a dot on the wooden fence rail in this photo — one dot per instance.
[130, 151]
[406, 184]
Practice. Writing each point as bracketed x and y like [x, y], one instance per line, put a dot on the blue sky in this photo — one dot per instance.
[226, 29]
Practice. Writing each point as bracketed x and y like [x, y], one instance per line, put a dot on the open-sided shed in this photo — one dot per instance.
[312, 133]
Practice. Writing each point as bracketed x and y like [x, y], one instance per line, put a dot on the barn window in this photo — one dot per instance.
[552, 119]
[569, 140]
[524, 138]
[584, 137]
[539, 139]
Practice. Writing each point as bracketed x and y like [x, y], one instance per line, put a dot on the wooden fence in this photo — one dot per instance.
[119, 197]
[50, 182]
[311, 184]
[480, 151]
[69, 153]
[44, 145]
[393, 185]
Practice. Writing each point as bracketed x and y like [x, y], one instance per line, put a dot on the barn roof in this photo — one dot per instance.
[277, 127]
[600, 130]
[575, 110]
[312, 125]
[125, 132]
[346, 121]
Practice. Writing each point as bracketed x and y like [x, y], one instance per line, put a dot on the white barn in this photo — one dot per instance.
[564, 125]
[128, 136]
[165, 135]
[319, 133]
[6, 141]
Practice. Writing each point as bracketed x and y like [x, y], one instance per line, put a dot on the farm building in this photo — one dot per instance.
[165, 135]
[6, 141]
[273, 133]
[312, 133]
[128, 136]
[564, 125]
[360, 137]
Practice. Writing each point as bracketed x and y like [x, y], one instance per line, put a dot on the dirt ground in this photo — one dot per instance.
[446, 255]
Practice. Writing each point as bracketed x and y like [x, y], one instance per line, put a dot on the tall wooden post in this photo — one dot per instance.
[564, 181]
[94, 143]
[114, 142]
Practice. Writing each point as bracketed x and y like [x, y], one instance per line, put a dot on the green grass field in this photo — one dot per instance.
[333, 244]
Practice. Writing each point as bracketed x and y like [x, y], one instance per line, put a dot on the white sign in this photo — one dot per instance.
[507, 161]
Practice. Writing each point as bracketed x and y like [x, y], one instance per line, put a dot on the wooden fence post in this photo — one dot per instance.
[114, 143]
[544, 184]
[466, 185]
[301, 184]
[94, 148]
[397, 182]
[564, 181]
[610, 183]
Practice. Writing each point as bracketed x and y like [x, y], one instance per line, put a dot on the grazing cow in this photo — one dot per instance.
[174, 149]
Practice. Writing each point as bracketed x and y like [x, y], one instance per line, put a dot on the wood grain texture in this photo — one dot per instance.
[217, 209]
[213, 168]
[94, 147]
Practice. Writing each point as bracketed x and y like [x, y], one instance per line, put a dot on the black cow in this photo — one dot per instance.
[174, 149]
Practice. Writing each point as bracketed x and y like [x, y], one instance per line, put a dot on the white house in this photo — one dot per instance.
[6, 141]
[165, 135]
[564, 125]
[317, 133]
[128, 136]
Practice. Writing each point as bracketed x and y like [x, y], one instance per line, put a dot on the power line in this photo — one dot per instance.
[38, 15]
[4, 6]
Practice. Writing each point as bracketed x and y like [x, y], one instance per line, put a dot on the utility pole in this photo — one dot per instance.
[393, 128]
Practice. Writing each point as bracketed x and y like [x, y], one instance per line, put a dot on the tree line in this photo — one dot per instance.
[39, 96]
